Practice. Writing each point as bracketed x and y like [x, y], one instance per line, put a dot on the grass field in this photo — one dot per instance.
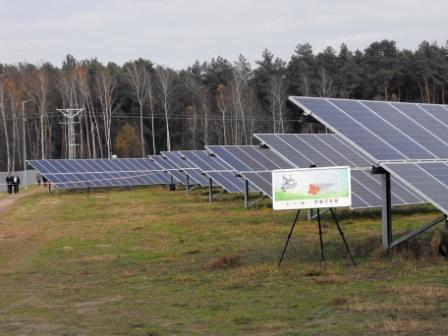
[151, 262]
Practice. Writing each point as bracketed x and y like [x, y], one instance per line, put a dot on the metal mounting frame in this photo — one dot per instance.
[386, 215]
[212, 197]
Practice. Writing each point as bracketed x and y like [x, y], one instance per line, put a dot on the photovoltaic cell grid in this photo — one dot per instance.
[220, 172]
[409, 134]
[384, 130]
[166, 165]
[97, 173]
[195, 174]
[253, 163]
[326, 150]
[429, 179]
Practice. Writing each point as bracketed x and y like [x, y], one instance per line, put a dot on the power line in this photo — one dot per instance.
[162, 116]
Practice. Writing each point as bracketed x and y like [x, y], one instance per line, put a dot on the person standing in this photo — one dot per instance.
[9, 183]
[16, 184]
[38, 179]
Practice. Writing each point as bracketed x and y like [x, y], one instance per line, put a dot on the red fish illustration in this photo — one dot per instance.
[313, 189]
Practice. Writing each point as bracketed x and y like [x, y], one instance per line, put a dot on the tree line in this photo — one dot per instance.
[141, 108]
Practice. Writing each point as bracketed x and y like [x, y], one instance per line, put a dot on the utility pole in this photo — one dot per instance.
[70, 115]
[25, 177]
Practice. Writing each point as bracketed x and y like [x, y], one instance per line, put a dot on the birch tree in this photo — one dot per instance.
[85, 89]
[3, 106]
[166, 95]
[38, 89]
[221, 103]
[137, 76]
[105, 87]
[151, 98]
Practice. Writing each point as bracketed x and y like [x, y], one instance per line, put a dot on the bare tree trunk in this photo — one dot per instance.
[220, 99]
[5, 125]
[165, 81]
[105, 85]
[138, 77]
[142, 136]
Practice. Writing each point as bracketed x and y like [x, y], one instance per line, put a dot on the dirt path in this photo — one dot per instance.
[9, 200]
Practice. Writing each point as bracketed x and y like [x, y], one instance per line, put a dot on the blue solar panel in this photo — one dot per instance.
[227, 180]
[326, 150]
[227, 157]
[385, 130]
[194, 173]
[95, 173]
[252, 160]
[262, 180]
[429, 180]
[342, 123]
[177, 175]
[220, 172]
[419, 113]
[202, 160]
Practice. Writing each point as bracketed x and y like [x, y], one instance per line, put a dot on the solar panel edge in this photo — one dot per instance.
[328, 125]
[393, 172]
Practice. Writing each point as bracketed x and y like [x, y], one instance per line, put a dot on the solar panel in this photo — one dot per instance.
[187, 167]
[428, 179]
[177, 175]
[220, 172]
[202, 160]
[94, 173]
[223, 153]
[253, 163]
[228, 181]
[324, 150]
[384, 130]
[261, 180]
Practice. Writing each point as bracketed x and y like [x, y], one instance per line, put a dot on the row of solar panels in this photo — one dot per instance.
[230, 167]
[409, 140]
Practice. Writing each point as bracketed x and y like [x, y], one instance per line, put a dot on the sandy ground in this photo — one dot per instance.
[8, 200]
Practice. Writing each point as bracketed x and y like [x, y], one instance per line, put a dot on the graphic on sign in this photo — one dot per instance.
[311, 188]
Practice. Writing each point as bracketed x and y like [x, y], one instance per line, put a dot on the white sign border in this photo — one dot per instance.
[313, 169]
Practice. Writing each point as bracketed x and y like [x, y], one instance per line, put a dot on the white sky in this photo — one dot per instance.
[178, 32]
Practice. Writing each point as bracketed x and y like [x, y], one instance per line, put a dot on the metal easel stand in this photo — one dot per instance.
[322, 254]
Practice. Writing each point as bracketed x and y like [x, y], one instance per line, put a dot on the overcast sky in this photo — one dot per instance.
[178, 32]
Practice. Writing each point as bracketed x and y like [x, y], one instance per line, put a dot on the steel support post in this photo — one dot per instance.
[246, 193]
[187, 184]
[386, 211]
[210, 190]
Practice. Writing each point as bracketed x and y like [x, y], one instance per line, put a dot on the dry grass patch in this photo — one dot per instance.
[225, 262]
[412, 293]
[99, 258]
[402, 326]
[403, 300]
[247, 275]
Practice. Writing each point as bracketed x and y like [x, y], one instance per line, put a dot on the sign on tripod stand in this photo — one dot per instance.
[311, 188]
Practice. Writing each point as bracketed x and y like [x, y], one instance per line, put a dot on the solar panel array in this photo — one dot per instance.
[218, 170]
[194, 173]
[96, 173]
[409, 140]
[429, 179]
[253, 163]
[177, 174]
[326, 150]
[385, 130]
